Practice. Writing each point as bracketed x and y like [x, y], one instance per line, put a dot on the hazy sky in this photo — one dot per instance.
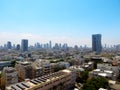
[69, 21]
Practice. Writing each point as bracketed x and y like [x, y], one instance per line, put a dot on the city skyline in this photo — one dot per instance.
[67, 21]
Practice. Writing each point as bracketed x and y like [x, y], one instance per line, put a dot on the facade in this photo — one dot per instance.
[24, 70]
[4, 64]
[9, 46]
[9, 76]
[50, 44]
[24, 45]
[18, 47]
[37, 70]
[107, 66]
[42, 67]
[61, 80]
[109, 74]
[96, 43]
[33, 70]
[64, 64]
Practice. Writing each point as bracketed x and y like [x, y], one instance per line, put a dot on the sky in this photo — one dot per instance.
[61, 21]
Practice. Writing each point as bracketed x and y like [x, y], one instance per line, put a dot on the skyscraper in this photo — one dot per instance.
[24, 45]
[50, 44]
[96, 43]
[18, 47]
[9, 46]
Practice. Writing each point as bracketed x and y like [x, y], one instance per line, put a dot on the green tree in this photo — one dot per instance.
[83, 77]
[13, 63]
[0, 75]
[95, 84]
[58, 68]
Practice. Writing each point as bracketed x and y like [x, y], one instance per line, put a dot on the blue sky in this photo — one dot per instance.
[71, 21]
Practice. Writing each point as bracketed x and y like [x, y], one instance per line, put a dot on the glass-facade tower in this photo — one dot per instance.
[96, 43]
[24, 45]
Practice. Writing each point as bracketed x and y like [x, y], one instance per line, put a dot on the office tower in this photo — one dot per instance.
[5, 46]
[24, 45]
[60, 46]
[50, 44]
[64, 46]
[76, 47]
[56, 46]
[47, 45]
[96, 43]
[18, 47]
[9, 46]
[37, 45]
[9, 76]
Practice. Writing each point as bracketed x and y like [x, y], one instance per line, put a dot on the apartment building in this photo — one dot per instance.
[109, 66]
[103, 73]
[42, 67]
[61, 80]
[4, 64]
[46, 67]
[24, 70]
[9, 76]
[37, 70]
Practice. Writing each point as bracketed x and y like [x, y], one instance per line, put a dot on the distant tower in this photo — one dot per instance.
[9, 46]
[18, 47]
[96, 43]
[50, 44]
[24, 45]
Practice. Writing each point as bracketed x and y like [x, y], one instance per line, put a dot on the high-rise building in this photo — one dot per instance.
[50, 44]
[24, 45]
[9, 46]
[96, 43]
[18, 47]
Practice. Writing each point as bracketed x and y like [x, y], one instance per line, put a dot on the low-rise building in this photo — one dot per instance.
[109, 66]
[61, 80]
[78, 70]
[64, 64]
[103, 73]
[4, 64]
[88, 65]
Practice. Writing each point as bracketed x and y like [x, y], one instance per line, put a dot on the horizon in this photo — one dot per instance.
[61, 21]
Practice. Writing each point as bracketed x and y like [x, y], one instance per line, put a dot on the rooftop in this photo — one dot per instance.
[26, 85]
[97, 70]
[102, 74]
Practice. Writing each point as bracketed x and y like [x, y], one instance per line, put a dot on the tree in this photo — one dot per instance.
[13, 63]
[57, 68]
[118, 79]
[0, 75]
[95, 84]
[83, 77]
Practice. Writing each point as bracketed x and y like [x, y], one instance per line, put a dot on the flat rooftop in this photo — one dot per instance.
[40, 81]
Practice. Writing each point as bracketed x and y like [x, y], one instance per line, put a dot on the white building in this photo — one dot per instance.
[103, 73]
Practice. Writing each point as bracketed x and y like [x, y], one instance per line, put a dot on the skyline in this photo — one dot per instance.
[61, 21]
